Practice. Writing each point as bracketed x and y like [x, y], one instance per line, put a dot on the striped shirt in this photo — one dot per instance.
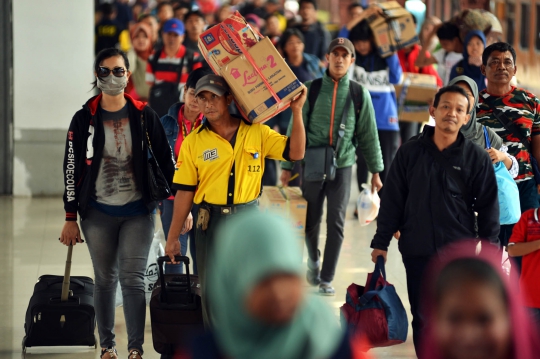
[166, 69]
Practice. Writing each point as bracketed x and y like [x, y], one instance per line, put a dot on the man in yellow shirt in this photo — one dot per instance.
[220, 168]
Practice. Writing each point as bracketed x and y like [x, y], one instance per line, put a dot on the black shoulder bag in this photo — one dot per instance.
[165, 94]
[512, 128]
[158, 186]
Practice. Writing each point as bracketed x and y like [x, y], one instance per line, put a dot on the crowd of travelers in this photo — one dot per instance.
[438, 183]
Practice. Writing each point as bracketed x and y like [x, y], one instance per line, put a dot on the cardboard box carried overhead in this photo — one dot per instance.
[420, 90]
[249, 89]
[219, 48]
[394, 29]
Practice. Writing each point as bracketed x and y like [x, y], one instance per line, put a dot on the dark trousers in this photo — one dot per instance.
[337, 193]
[408, 130]
[205, 243]
[414, 270]
[528, 199]
[270, 172]
[389, 141]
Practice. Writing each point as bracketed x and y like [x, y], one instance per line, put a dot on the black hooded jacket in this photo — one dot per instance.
[426, 205]
[84, 149]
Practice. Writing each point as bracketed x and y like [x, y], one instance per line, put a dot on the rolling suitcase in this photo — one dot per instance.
[175, 310]
[61, 311]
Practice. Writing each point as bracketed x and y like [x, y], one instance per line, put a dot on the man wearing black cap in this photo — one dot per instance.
[220, 168]
[324, 128]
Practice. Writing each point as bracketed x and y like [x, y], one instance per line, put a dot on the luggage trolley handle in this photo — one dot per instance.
[67, 273]
[165, 259]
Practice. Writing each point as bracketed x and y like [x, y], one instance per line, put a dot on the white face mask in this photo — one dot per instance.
[112, 85]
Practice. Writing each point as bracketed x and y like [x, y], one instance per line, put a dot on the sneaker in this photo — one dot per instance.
[313, 276]
[326, 289]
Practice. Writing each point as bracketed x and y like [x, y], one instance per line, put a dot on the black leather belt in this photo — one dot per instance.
[229, 209]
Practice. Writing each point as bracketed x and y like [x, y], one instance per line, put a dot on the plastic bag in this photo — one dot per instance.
[509, 206]
[368, 204]
[152, 272]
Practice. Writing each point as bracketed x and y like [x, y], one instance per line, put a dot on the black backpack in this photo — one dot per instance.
[164, 95]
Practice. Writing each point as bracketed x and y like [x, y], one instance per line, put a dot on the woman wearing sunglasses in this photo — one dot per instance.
[105, 177]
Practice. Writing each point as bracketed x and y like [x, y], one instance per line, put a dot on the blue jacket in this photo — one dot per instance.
[170, 124]
[377, 75]
[314, 65]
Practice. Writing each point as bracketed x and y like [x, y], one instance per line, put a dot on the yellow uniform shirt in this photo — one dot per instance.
[221, 174]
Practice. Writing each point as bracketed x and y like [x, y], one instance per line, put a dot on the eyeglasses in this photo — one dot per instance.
[117, 71]
[496, 63]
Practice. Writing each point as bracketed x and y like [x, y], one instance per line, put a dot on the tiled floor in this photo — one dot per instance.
[29, 229]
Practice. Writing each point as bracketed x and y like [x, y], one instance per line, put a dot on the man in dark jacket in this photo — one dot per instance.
[317, 37]
[423, 202]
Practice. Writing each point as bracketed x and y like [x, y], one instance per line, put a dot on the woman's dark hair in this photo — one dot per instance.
[104, 55]
[353, 5]
[468, 270]
[361, 32]
[195, 76]
[498, 46]
[287, 35]
[448, 31]
[452, 89]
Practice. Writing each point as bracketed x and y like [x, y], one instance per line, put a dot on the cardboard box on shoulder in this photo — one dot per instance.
[249, 89]
[420, 90]
[288, 203]
[394, 29]
[218, 48]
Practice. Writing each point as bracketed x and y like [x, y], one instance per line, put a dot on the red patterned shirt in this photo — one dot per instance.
[523, 109]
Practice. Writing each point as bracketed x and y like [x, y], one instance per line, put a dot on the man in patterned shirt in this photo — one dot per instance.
[515, 105]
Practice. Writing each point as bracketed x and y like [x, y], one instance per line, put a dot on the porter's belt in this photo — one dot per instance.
[230, 208]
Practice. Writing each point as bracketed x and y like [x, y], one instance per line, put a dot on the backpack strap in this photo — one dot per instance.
[313, 93]
[355, 90]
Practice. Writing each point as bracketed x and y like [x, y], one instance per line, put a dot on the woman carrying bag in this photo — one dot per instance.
[117, 162]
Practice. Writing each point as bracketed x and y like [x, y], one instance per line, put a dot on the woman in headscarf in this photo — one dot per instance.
[473, 48]
[473, 309]
[474, 130]
[142, 41]
[258, 303]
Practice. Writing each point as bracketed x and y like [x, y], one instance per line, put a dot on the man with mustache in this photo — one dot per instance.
[520, 110]
[437, 181]
[324, 128]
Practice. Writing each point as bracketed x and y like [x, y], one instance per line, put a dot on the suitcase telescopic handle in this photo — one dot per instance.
[67, 274]
[165, 259]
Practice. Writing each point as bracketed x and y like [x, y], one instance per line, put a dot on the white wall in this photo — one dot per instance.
[53, 53]
[53, 49]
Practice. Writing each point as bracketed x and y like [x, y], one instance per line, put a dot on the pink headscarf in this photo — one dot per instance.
[524, 341]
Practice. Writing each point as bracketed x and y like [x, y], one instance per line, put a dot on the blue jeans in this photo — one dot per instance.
[119, 249]
[166, 208]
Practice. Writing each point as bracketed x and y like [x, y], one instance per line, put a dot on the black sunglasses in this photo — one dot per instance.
[117, 71]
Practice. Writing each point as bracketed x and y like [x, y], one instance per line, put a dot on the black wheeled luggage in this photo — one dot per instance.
[175, 310]
[61, 311]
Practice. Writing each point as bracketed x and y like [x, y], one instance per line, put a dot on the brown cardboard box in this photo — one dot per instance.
[289, 204]
[421, 90]
[394, 29]
[218, 48]
[249, 90]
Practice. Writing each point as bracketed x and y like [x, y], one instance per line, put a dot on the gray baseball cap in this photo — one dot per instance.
[213, 83]
[342, 42]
